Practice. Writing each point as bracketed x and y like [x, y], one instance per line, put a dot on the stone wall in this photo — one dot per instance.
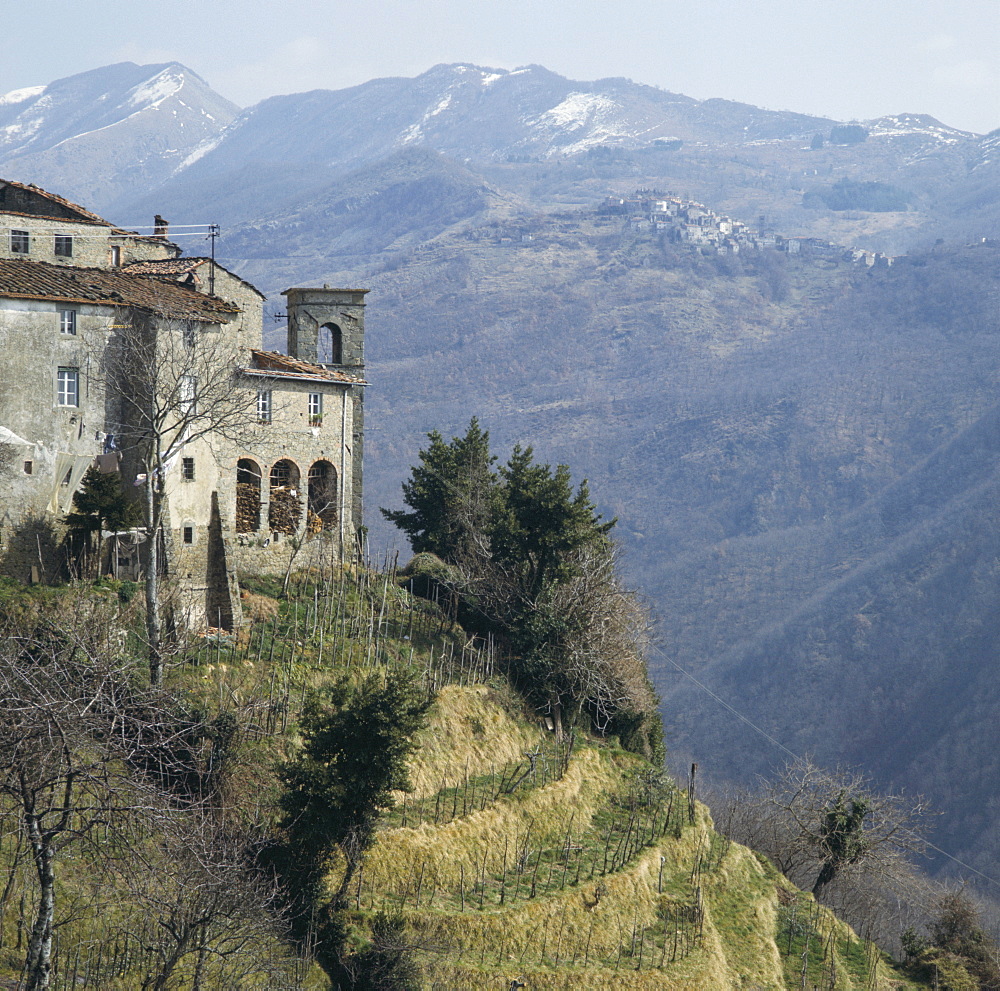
[91, 244]
[311, 315]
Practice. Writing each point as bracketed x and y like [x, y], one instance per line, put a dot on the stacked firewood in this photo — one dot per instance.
[285, 511]
[247, 507]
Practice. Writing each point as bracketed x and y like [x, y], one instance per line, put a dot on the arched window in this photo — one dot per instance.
[248, 477]
[285, 508]
[330, 347]
[322, 497]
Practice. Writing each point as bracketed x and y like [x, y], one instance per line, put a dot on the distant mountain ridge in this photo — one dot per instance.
[113, 135]
[492, 114]
[110, 132]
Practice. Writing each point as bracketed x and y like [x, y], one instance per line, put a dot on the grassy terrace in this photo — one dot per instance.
[569, 865]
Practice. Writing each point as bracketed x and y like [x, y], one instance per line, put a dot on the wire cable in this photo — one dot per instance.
[770, 739]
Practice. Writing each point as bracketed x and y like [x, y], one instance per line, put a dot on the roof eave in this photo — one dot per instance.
[300, 377]
[114, 304]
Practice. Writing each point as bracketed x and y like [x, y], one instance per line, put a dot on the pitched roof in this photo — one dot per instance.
[110, 287]
[271, 364]
[171, 268]
[84, 213]
[60, 205]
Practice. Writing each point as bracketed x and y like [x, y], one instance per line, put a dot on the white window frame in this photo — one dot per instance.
[187, 469]
[315, 408]
[68, 387]
[20, 241]
[264, 406]
[67, 322]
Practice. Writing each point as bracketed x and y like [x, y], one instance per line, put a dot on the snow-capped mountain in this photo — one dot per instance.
[920, 126]
[108, 132]
[482, 114]
[127, 139]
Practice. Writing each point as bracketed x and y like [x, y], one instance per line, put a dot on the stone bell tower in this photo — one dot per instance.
[327, 327]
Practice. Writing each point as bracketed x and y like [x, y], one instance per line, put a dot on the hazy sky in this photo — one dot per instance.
[838, 58]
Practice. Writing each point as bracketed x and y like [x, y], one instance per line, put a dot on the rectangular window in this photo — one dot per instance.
[64, 245]
[189, 535]
[20, 242]
[28, 467]
[315, 408]
[116, 256]
[67, 322]
[264, 405]
[187, 469]
[68, 387]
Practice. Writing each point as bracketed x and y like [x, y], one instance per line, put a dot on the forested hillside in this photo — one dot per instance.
[782, 440]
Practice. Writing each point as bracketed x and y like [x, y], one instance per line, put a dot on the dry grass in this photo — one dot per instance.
[545, 812]
[467, 733]
[625, 929]
[259, 607]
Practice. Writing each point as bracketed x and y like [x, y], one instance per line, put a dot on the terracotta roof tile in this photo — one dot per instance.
[83, 214]
[165, 266]
[170, 268]
[111, 287]
[283, 366]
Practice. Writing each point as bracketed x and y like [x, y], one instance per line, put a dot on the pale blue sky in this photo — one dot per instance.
[838, 58]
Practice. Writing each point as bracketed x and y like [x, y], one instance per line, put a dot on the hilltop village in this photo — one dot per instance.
[688, 222]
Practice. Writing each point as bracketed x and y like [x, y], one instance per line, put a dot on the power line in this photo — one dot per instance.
[757, 729]
[198, 230]
[739, 715]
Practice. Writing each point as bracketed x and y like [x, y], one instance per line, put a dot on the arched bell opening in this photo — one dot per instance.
[330, 346]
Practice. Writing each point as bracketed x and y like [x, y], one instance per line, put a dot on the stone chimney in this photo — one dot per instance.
[160, 227]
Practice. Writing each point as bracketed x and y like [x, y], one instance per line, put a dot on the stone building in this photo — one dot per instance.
[94, 319]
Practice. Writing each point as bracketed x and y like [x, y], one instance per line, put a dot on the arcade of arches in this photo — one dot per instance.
[284, 504]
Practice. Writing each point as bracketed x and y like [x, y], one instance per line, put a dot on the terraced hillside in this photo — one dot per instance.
[575, 866]
[512, 857]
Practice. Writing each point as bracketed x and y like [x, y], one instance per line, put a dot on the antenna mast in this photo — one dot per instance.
[213, 233]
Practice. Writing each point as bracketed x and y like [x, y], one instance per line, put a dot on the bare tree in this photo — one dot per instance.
[72, 730]
[197, 899]
[836, 835]
[602, 662]
[176, 382]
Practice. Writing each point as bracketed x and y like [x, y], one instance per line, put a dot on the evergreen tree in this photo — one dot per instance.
[541, 522]
[355, 744]
[451, 494]
[101, 504]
